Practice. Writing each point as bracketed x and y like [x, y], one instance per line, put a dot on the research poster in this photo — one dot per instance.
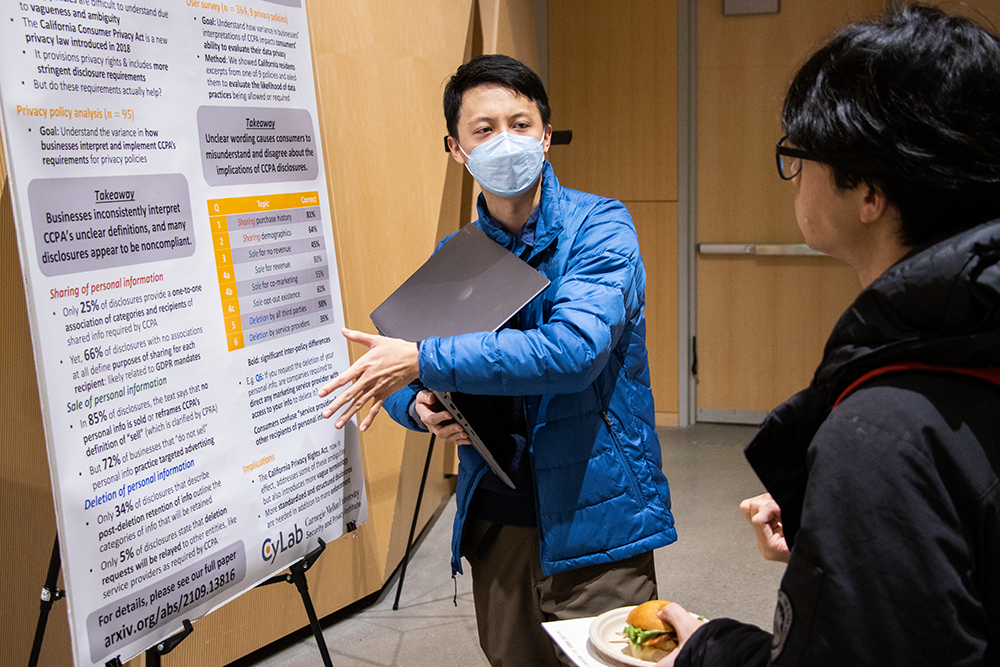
[174, 231]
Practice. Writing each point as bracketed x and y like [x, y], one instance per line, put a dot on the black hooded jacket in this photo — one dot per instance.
[891, 501]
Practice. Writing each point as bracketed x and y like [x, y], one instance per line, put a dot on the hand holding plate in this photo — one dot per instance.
[684, 624]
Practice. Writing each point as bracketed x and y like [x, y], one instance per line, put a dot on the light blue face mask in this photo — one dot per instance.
[508, 164]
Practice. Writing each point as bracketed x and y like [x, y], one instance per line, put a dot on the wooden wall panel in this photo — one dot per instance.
[762, 324]
[613, 81]
[986, 12]
[745, 63]
[509, 28]
[656, 223]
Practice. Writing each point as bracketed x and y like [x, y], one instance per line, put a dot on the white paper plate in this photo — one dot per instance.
[607, 638]
[610, 642]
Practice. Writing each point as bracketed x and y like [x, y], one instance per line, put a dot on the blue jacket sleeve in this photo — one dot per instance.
[595, 295]
[398, 406]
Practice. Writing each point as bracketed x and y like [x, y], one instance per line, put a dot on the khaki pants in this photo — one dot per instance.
[513, 598]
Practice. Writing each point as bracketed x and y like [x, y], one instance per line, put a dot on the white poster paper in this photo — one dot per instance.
[174, 232]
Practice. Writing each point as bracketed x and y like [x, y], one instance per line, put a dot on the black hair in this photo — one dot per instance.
[908, 103]
[493, 69]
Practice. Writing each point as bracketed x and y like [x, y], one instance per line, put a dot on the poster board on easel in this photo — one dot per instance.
[174, 232]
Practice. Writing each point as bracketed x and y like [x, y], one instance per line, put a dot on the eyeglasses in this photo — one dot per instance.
[789, 159]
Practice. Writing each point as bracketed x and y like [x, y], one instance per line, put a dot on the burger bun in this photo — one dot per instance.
[644, 617]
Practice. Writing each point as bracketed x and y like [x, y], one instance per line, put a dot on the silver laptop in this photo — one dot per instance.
[471, 284]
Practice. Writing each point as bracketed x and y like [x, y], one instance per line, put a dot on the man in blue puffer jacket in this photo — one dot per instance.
[564, 387]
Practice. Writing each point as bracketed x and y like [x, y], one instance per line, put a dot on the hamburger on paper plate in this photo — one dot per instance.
[650, 638]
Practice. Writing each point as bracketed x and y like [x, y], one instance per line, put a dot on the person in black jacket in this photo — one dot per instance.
[884, 474]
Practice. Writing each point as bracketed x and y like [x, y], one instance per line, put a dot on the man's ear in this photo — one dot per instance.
[455, 151]
[547, 139]
[874, 205]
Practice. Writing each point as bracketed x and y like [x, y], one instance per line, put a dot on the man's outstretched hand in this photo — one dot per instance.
[389, 365]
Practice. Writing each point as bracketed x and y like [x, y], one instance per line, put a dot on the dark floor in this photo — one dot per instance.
[713, 569]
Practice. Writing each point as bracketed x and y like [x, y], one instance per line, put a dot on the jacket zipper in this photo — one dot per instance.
[623, 459]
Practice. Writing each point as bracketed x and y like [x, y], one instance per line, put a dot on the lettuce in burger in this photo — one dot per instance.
[650, 638]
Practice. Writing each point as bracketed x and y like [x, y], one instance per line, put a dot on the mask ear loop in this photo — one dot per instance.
[467, 158]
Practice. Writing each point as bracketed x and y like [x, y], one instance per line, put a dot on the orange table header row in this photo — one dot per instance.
[262, 203]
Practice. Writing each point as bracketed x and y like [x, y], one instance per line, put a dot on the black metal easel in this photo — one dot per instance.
[413, 524]
[297, 575]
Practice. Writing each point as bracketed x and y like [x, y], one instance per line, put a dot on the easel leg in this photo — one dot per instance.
[413, 524]
[297, 576]
[49, 595]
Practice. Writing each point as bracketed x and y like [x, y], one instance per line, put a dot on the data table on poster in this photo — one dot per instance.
[274, 276]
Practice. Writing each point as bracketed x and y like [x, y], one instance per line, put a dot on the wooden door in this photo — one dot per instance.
[761, 320]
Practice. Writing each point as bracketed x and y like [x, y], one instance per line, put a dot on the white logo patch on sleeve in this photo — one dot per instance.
[782, 624]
